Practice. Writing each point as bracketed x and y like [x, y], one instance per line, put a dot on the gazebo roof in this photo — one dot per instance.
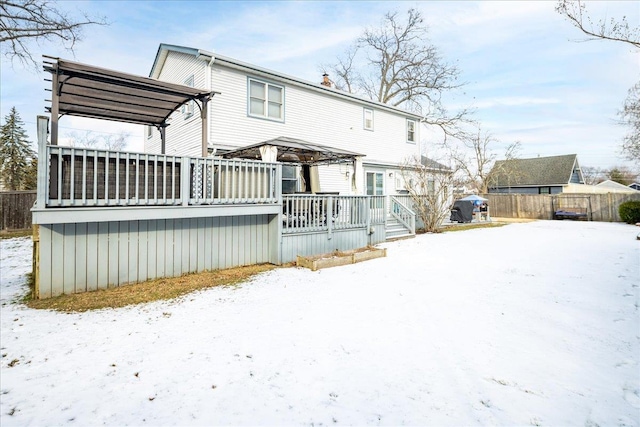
[294, 150]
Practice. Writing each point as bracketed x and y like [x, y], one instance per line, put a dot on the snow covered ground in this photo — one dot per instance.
[528, 324]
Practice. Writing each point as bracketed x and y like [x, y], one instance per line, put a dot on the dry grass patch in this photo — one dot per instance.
[5, 234]
[154, 290]
[462, 227]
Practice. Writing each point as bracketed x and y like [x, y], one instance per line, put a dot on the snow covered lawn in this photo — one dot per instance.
[533, 323]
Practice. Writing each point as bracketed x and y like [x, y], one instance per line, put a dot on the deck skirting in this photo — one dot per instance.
[81, 257]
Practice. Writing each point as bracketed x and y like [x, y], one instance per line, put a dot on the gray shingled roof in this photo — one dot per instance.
[432, 164]
[554, 170]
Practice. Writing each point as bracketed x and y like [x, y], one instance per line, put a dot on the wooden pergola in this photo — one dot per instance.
[87, 91]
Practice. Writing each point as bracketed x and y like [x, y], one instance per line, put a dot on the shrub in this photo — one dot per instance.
[630, 211]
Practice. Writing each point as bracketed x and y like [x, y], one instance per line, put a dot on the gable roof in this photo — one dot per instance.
[432, 164]
[615, 186]
[539, 171]
[164, 49]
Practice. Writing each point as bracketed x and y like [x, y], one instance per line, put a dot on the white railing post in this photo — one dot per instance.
[185, 180]
[368, 213]
[43, 163]
[328, 208]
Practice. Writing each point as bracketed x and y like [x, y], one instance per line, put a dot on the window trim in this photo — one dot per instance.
[366, 110]
[149, 131]
[415, 131]
[266, 101]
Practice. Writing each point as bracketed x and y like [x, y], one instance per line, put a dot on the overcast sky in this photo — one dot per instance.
[528, 72]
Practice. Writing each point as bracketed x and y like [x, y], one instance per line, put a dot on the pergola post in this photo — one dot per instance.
[163, 139]
[55, 105]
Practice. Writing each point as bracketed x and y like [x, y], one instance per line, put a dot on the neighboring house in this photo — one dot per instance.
[610, 186]
[540, 175]
[260, 107]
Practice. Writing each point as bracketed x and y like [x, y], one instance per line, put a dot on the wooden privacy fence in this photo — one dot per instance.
[15, 209]
[599, 207]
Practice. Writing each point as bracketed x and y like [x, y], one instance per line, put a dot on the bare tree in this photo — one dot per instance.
[615, 30]
[430, 184]
[26, 21]
[593, 175]
[396, 64]
[630, 116]
[106, 141]
[475, 158]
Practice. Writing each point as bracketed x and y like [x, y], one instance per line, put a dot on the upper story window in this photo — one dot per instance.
[411, 131]
[187, 109]
[266, 100]
[368, 119]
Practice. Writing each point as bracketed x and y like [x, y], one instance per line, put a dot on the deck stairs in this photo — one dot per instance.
[395, 230]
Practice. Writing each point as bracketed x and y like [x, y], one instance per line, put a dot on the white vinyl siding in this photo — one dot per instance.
[183, 136]
[266, 100]
[368, 119]
[311, 115]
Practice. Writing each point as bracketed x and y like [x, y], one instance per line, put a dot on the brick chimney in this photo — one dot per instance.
[325, 80]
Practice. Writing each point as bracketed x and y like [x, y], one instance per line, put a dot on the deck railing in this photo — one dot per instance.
[312, 212]
[78, 177]
[403, 214]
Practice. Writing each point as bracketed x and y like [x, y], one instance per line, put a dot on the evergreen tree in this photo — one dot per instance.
[16, 155]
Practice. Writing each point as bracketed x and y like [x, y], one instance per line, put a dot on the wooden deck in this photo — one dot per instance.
[107, 218]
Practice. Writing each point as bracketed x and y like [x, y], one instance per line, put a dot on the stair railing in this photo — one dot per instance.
[403, 214]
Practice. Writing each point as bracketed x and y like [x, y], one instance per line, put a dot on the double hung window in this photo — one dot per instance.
[266, 100]
[368, 119]
[411, 131]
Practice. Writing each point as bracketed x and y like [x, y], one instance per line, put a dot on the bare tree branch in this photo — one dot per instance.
[396, 64]
[108, 141]
[24, 21]
[614, 30]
